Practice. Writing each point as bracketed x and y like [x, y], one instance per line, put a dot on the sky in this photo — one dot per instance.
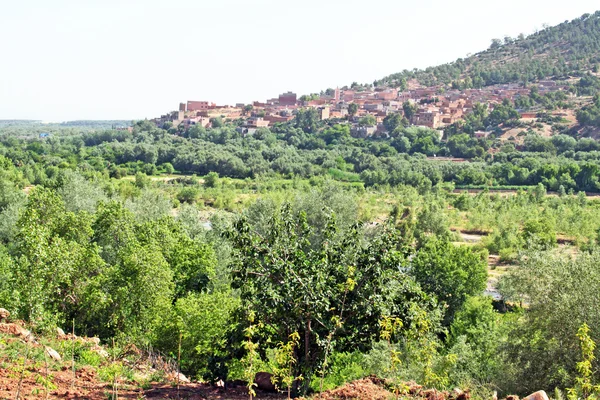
[134, 59]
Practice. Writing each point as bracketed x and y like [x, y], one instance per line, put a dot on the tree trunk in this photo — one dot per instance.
[307, 368]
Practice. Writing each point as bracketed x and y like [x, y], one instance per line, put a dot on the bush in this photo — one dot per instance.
[211, 180]
[344, 367]
[188, 195]
[89, 357]
[540, 232]
[202, 320]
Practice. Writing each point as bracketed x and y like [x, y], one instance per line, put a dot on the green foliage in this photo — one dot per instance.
[188, 195]
[540, 232]
[252, 358]
[476, 337]
[343, 368]
[288, 280]
[285, 360]
[451, 273]
[584, 388]
[203, 320]
[211, 180]
[559, 291]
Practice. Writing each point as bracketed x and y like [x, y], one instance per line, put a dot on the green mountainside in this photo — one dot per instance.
[559, 52]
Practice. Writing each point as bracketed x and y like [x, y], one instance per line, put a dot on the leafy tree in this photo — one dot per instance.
[452, 273]
[560, 294]
[475, 336]
[132, 293]
[211, 180]
[352, 109]
[496, 44]
[203, 320]
[367, 120]
[394, 121]
[307, 119]
[335, 290]
[409, 110]
[54, 256]
[216, 122]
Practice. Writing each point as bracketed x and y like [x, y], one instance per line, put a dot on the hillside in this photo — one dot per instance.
[568, 49]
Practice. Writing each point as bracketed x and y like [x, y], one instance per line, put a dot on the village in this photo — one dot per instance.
[434, 107]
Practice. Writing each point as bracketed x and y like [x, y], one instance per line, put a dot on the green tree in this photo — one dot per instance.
[352, 109]
[211, 180]
[336, 290]
[409, 110]
[560, 292]
[367, 120]
[452, 273]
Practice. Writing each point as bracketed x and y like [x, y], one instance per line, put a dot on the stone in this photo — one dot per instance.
[182, 378]
[100, 351]
[539, 395]
[53, 354]
[459, 394]
[264, 382]
[4, 314]
[60, 332]
[17, 330]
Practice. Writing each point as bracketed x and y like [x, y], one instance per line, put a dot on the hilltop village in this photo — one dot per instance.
[364, 107]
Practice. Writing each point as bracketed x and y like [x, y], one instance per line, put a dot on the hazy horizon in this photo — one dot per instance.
[123, 60]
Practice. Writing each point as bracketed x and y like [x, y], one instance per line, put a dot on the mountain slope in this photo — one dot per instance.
[568, 49]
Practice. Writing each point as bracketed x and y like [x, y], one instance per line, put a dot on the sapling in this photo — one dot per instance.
[285, 360]
[252, 356]
[389, 327]
[584, 388]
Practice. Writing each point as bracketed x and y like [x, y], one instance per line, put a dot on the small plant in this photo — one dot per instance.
[112, 373]
[584, 388]
[46, 381]
[252, 357]
[88, 357]
[285, 360]
[390, 327]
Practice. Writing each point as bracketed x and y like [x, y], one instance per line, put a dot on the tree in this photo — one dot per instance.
[132, 293]
[211, 180]
[352, 109]
[367, 120]
[334, 288]
[54, 257]
[216, 122]
[496, 44]
[203, 320]
[561, 295]
[476, 336]
[393, 121]
[452, 273]
[409, 110]
[307, 119]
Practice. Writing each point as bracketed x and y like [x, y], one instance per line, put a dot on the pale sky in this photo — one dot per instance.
[134, 59]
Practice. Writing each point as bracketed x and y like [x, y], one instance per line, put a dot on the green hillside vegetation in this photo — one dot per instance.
[559, 52]
[317, 256]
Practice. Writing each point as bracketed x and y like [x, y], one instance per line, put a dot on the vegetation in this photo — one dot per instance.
[321, 257]
[559, 51]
